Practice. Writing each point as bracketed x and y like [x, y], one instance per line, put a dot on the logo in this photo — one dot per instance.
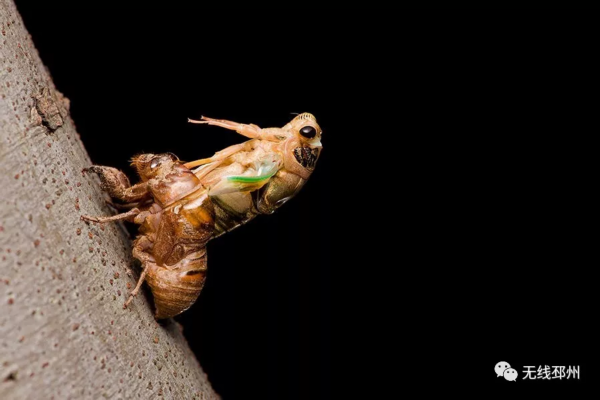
[542, 372]
[503, 369]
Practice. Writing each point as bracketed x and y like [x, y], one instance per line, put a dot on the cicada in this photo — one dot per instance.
[181, 206]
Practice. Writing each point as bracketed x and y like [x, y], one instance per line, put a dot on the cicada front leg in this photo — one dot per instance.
[116, 184]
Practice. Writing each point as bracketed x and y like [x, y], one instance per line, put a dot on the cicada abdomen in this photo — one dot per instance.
[179, 238]
[175, 288]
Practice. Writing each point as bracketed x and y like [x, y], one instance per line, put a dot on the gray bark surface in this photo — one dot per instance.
[63, 331]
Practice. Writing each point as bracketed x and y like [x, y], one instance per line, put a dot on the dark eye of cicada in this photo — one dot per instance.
[308, 132]
[156, 161]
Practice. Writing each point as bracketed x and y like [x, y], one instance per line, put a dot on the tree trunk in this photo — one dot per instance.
[63, 331]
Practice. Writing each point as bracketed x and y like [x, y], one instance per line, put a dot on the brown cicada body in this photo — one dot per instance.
[180, 209]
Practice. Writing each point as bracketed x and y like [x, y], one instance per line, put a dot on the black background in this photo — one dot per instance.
[453, 210]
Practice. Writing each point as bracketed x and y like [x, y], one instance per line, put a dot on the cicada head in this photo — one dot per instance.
[304, 145]
[150, 165]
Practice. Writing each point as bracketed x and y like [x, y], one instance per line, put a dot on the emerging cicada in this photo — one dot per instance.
[180, 209]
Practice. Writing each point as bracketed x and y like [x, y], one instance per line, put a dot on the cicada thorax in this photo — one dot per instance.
[174, 186]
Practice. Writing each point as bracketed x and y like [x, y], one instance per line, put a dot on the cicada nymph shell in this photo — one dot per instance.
[179, 234]
[175, 290]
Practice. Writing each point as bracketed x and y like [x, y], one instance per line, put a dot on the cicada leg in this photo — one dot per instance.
[128, 216]
[135, 291]
[140, 251]
[252, 131]
[116, 184]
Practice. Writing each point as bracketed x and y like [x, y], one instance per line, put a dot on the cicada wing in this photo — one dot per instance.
[248, 182]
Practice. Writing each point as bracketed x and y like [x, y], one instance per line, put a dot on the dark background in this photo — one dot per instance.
[450, 224]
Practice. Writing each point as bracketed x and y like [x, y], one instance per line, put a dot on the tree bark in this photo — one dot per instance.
[63, 331]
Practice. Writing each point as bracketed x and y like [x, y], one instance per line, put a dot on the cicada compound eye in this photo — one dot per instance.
[308, 132]
[156, 161]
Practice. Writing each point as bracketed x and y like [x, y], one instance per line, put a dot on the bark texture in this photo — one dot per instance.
[63, 331]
